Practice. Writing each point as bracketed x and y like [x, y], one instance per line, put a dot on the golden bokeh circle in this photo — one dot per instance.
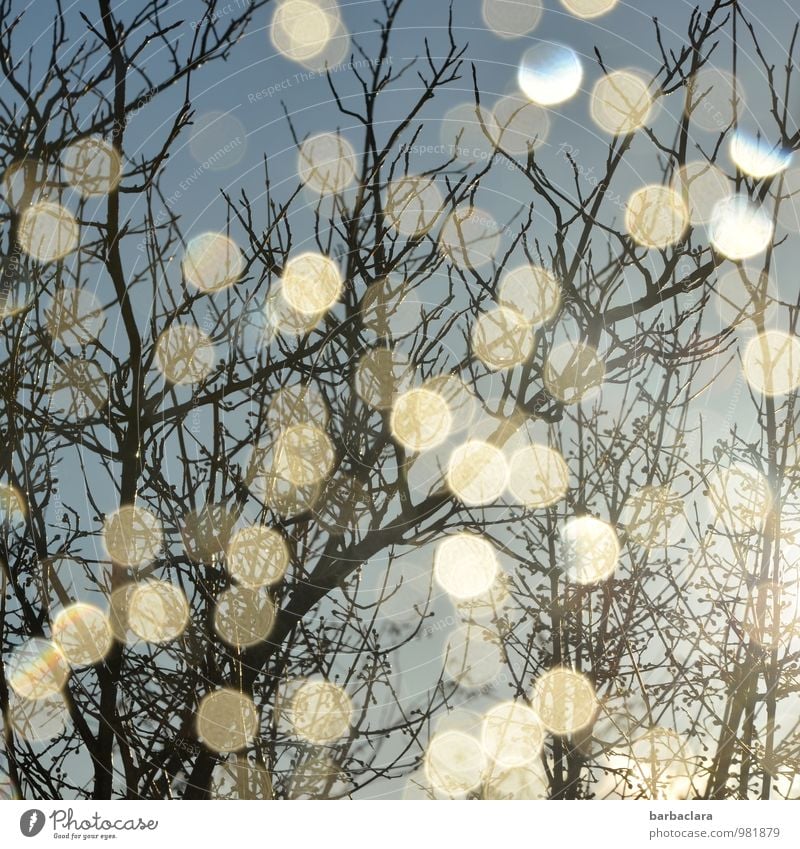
[621, 102]
[337, 48]
[468, 132]
[656, 216]
[465, 565]
[420, 419]
[244, 616]
[327, 163]
[286, 498]
[589, 8]
[185, 354]
[92, 166]
[564, 700]
[75, 316]
[83, 633]
[538, 476]
[573, 371]
[589, 549]
[470, 237]
[48, 231]
[653, 515]
[771, 362]
[477, 472]
[132, 536]
[212, 262]
[157, 611]
[36, 669]
[520, 126]
[227, 720]
[512, 734]
[302, 29]
[454, 763]
[413, 204]
[532, 291]
[502, 338]
[381, 375]
[512, 18]
[304, 455]
[311, 283]
[257, 556]
[320, 712]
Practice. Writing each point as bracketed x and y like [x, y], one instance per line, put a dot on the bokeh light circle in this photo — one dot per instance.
[477, 472]
[227, 720]
[656, 216]
[92, 166]
[132, 536]
[550, 73]
[320, 712]
[48, 231]
[311, 283]
[257, 556]
[502, 338]
[157, 611]
[327, 163]
[621, 102]
[512, 18]
[512, 734]
[420, 419]
[771, 362]
[212, 262]
[532, 291]
[739, 229]
[83, 633]
[36, 669]
[465, 565]
[454, 763]
[564, 700]
[185, 354]
[573, 371]
[538, 476]
[589, 549]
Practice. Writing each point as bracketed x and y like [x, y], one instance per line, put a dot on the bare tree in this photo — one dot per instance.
[379, 484]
